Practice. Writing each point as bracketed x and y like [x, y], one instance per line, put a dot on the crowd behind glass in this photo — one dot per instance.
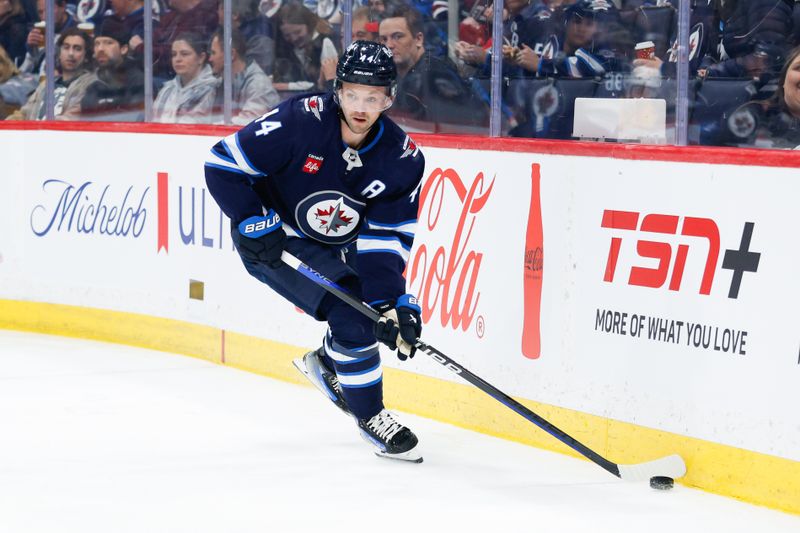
[742, 86]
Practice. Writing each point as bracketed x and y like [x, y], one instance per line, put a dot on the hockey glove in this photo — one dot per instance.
[400, 326]
[260, 239]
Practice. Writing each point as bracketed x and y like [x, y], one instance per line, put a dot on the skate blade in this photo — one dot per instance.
[410, 456]
[300, 365]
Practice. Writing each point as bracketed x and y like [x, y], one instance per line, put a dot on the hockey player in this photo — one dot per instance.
[343, 182]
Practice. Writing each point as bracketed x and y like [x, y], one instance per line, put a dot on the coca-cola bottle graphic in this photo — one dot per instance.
[533, 272]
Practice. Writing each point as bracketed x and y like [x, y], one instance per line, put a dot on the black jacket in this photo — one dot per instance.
[13, 35]
[433, 91]
[117, 94]
[761, 26]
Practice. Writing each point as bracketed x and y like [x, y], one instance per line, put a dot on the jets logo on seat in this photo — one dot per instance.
[313, 104]
[409, 148]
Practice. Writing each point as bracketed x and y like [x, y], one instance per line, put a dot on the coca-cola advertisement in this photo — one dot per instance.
[477, 261]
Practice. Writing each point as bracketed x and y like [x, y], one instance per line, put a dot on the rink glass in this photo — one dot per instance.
[508, 100]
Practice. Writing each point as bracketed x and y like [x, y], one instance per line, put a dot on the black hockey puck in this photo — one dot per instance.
[661, 482]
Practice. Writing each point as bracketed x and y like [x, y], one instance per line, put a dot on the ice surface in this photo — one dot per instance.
[104, 438]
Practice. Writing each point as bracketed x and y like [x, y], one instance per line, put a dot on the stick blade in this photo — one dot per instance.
[669, 466]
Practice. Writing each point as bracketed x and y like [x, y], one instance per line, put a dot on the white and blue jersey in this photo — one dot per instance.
[293, 160]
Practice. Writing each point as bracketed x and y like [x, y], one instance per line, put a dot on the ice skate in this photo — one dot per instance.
[323, 378]
[392, 439]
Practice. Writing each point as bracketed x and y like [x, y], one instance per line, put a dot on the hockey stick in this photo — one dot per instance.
[670, 466]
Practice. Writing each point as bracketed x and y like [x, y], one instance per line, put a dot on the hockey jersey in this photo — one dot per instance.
[293, 160]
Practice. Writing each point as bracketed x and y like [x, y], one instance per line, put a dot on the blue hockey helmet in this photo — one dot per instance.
[367, 63]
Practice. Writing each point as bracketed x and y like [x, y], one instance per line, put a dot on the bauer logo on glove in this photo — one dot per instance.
[260, 239]
[254, 227]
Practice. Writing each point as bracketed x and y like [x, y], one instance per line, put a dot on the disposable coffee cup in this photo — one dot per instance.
[87, 27]
[646, 50]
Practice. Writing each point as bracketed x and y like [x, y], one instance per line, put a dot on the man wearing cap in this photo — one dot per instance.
[593, 35]
[117, 94]
[329, 179]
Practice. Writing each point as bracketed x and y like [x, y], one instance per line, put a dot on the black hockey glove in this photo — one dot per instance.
[260, 239]
[400, 326]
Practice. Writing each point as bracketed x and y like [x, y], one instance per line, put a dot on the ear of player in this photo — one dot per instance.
[400, 325]
[260, 239]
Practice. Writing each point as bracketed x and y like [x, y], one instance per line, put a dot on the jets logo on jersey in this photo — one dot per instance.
[313, 164]
[313, 104]
[331, 217]
[409, 148]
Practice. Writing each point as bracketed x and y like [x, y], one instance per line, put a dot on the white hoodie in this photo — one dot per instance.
[192, 104]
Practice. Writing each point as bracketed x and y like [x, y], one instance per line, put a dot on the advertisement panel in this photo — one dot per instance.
[666, 296]
[135, 234]
[678, 289]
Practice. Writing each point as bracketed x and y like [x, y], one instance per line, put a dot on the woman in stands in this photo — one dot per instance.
[305, 54]
[770, 123]
[781, 113]
[188, 98]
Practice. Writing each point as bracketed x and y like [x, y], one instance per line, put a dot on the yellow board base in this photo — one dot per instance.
[745, 475]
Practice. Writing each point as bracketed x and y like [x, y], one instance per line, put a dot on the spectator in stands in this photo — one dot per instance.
[377, 7]
[7, 71]
[188, 98]
[305, 54]
[7, 68]
[74, 59]
[252, 90]
[594, 42]
[526, 28]
[117, 92]
[256, 29]
[365, 25]
[429, 87]
[131, 14]
[15, 87]
[703, 40]
[755, 37]
[185, 16]
[13, 29]
[34, 58]
[780, 115]
[29, 6]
